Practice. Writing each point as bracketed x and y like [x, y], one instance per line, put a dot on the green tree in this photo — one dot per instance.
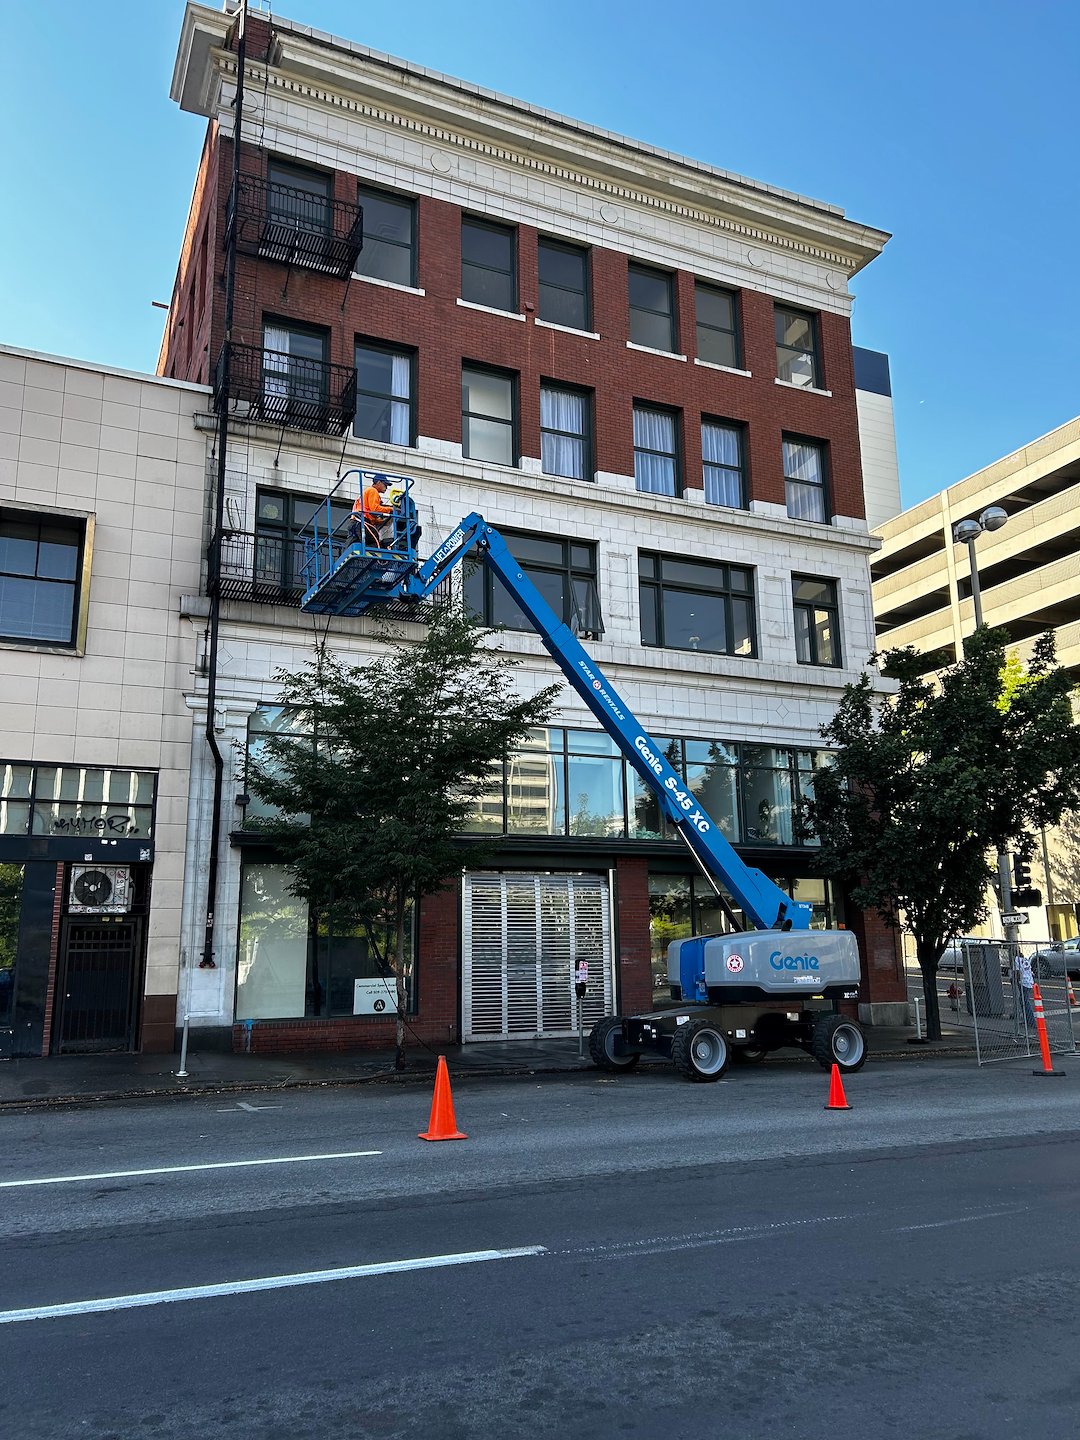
[384, 773]
[931, 780]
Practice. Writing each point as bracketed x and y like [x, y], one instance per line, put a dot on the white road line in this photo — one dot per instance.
[186, 1169]
[961, 1219]
[269, 1282]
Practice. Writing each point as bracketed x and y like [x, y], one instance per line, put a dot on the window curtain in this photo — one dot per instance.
[275, 363]
[722, 465]
[400, 375]
[654, 431]
[805, 481]
[562, 454]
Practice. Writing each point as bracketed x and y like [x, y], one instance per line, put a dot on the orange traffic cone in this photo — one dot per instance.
[442, 1125]
[1072, 993]
[837, 1098]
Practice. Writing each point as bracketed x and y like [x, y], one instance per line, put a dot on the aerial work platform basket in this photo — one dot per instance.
[347, 568]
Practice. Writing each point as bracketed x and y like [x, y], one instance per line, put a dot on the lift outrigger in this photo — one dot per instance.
[748, 992]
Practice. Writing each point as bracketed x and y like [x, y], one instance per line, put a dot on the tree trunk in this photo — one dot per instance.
[928, 952]
[402, 998]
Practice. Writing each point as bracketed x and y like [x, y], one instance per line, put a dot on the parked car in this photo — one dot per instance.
[1059, 958]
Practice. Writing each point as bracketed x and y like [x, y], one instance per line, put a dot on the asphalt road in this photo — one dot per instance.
[603, 1257]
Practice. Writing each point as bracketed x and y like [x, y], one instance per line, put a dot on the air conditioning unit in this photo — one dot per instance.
[100, 890]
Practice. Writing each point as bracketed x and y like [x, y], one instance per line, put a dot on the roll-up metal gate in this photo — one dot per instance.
[523, 937]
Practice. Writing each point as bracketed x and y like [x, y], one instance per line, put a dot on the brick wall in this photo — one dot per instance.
[443, 334]
[54, 962]
[633, 950]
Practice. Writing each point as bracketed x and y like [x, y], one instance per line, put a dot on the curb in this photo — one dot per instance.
[183, 1090]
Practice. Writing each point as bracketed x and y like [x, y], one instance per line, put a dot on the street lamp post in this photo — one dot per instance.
[966, 532]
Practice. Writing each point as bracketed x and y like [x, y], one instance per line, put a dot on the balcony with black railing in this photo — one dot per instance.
[294, 391]
[269, 570]
[295, 227]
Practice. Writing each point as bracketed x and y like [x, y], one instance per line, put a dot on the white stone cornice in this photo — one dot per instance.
[345, 78]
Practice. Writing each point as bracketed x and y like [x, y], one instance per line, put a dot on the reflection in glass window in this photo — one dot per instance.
[11, 876]
[594, 784]
[109, 804]
[487, 416]
[717, 335]
[389, 250]
[40, 566]
[564, 571]
[804, 480]
[796, 348]
[652, 308]
[817, 621]
[15, 782]
[669, 920]
[713, 775]
[767, 795]
[535, 786]
[271, 966]
[696, 605]
[563, 284]
[487, 264]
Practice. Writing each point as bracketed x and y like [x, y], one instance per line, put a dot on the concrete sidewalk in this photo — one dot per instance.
[88, 1079]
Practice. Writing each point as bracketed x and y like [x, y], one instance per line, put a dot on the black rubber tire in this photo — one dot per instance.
[700, 1051]
[849, 1052]
[748, 1054]
[601, 1037]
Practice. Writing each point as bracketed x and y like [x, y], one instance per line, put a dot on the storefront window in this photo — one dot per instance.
[10, 907]
[288, 968]
[269, 720]
[767, 795]
[594, 784]
[272, 960]
[713, 775]
[647, 821]
[73, 800]
[670, 918]
[535, 785]
[15, 781]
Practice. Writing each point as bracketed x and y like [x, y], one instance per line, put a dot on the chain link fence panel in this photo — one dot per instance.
[979, 990]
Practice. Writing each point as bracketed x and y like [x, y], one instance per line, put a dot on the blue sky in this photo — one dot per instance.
[950, 124]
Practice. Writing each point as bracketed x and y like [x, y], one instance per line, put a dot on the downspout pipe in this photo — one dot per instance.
[208, 961]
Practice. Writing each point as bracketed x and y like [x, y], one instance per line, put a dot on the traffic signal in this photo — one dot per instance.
[1023, 892]
[1021, 873]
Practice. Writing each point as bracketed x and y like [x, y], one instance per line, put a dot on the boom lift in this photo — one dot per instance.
[748, 992]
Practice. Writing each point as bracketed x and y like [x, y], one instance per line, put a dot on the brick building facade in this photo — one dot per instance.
[699, 410]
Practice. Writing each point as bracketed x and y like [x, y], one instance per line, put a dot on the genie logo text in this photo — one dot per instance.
[793, 962]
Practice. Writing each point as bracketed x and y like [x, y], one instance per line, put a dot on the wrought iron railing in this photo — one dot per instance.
[269, 570]
[296, 227]
[290, 390]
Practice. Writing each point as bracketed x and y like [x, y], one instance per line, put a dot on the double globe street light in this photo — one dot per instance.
[966, 532]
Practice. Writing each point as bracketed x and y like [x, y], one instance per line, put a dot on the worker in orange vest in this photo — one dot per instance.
[370, 512]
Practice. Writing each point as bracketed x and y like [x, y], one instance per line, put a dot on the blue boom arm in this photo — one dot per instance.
[761, 899]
